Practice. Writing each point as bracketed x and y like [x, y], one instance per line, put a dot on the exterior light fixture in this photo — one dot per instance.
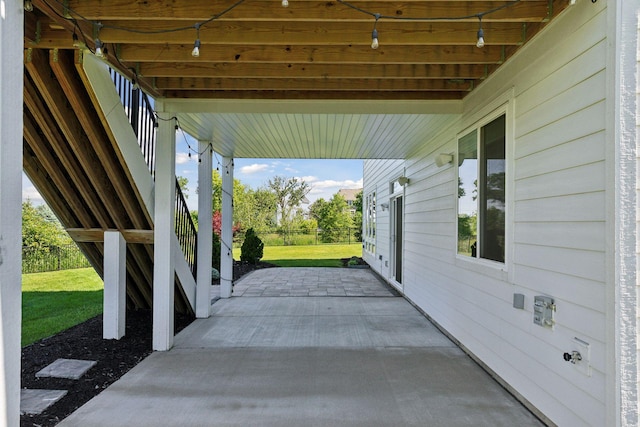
[196, 45]
[374, 34]
[285, 3]
[403, 180]
[443, 159]
[480, 42]
[100, 49]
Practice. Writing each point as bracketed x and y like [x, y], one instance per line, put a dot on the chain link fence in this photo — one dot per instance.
[38, 259]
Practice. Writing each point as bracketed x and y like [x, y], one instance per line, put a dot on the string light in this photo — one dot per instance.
[480, 42]
[196, 45]
[374, 33]
[28, 6]
[101, 49]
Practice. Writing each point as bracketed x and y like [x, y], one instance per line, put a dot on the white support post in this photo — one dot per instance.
[205, 241]
[164, 230]
[226, 253]
[11, 83]
[115, 285]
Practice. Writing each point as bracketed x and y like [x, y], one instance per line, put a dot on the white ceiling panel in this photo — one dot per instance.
[314, 131]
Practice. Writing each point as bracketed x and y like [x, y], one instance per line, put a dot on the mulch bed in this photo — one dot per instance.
[84, 341]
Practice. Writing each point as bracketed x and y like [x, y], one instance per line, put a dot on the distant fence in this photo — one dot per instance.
[280, 237]
[38, 259]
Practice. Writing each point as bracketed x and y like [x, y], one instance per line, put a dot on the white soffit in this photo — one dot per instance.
[314, 129]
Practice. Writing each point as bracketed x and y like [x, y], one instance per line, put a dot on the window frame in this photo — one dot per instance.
[477, 126]
[369, 218]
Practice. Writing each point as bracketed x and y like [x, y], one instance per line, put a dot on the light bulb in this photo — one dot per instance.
[196, 49]
[480, 42]
[374, 39]
[99, 49]
[75, 41]
[285, 3]
[28, 6]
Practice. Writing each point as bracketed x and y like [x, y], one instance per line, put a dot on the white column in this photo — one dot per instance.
[115, 286]
[11, 74]
[226, 253]
[623, 307]
[164, 230]
[205, 241]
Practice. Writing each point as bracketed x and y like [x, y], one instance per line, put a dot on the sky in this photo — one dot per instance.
[325, 177]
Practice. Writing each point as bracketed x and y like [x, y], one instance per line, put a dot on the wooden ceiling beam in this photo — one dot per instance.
[227, 84]
[326, 95]
[304, 33]
[201, 10]
[244, 70]
[318, 54]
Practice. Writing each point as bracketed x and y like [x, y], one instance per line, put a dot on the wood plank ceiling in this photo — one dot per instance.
[312, 49]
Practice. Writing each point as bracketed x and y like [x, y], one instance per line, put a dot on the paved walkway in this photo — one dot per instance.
[311, 282]
[306, 361]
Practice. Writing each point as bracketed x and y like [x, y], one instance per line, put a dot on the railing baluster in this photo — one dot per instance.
[144, 124]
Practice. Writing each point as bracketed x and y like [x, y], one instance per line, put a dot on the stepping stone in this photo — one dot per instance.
[33, 402]
[66, 368]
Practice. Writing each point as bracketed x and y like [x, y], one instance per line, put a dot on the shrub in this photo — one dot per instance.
[252, 248]
[215, 253]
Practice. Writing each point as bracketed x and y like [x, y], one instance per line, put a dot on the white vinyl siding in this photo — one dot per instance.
[556, 228]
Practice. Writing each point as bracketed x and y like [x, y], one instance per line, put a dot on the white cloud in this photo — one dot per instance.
[330, 183]
[310, 179]
[182, 158]
[254, 168]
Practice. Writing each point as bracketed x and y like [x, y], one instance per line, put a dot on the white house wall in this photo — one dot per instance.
[557, 220]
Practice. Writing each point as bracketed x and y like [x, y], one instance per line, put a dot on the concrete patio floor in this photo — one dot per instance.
[307, 361]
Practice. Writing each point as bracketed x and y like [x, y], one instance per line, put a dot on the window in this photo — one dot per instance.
[481, 192]
[370, 223]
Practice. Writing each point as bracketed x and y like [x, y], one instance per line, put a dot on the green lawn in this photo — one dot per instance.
[57, 300]
[308, 256]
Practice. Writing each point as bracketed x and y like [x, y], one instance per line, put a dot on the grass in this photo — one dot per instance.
[308, 256]
[57, 300]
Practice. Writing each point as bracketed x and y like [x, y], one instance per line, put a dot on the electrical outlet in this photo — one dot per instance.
[584, 348]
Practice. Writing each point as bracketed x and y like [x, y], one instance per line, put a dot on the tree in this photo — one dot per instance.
[289, 193]
[182, 183]
[40, 227]
[357, 217]
[334, 219]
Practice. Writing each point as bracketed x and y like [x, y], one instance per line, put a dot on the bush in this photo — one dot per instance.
[252, 248]
[215, 253]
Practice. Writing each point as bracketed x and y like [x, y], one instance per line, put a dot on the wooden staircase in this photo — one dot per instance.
[72, 158]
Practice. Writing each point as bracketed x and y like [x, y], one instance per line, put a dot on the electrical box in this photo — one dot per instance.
[518, 301]
[543, 308]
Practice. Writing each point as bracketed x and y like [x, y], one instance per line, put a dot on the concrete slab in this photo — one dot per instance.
[313, 361]
[66, 368]
[35, 401]
[311, 387]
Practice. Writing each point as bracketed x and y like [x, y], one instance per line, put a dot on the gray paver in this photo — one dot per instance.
[34, 401]
[311, 281]
[66, 368]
